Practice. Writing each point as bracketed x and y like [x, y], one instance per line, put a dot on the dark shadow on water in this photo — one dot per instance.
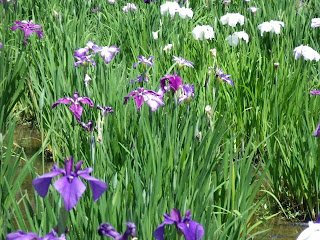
[28, 140]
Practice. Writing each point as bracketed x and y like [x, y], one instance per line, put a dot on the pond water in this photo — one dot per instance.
[30, 140]
[278, 228]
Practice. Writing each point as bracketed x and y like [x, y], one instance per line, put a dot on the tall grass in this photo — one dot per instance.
[176, 156]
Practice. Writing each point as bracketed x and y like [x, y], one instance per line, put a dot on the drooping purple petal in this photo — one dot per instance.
[86, 100]
[97, 187]
[53, 236]
[191, 230]
[71, 189]
[317, 131]
[133, 93]
[226, 78]
[14, 27]
[77, 110]
[19, 235]
[27, 32]
[139, 101]
[130, 231]
[153, 99]
[42, 183]
[175, 82]
[315, 92]
[159, 232]
[107, 230]
[65, 100]
[39, 33]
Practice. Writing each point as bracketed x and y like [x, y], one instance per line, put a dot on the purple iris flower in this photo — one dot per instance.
[1, 45]
[141, 78]
[148, 1]
[83, 60]
[183, 62]
[105, 110]
[19, 235]
[75, 108]
[144, 61]
[187, 92]
[317, 131]
[87, 126]
[28, 27]
[190, 229]
[83, 56]
[106, 229]
[108, 53]
[224, 77]
[70, 186]
[153, 99]
[97, 9]
[174, 82]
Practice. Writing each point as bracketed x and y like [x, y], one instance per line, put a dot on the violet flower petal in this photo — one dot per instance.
[86, 100]
[133, 93]
[314, 92]
[97, 187]
[53, 236]
[317, 131]
[175, 82]
[42, 183]
[130, 231]
[107, 230]
[19, 235]
[65, 100]
[153, 100]
[139, 101]
[159, 232]
[70, 189]
[77, 110]
[175, 215]
[192, 230]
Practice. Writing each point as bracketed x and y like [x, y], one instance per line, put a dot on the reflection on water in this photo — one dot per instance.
[280, 229]
[29, 139]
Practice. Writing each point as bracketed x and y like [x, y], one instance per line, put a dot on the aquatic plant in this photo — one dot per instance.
[105, 229]
[70, 186]
[141, 95]
[191, 230]
[75, 107]
[28, 27]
